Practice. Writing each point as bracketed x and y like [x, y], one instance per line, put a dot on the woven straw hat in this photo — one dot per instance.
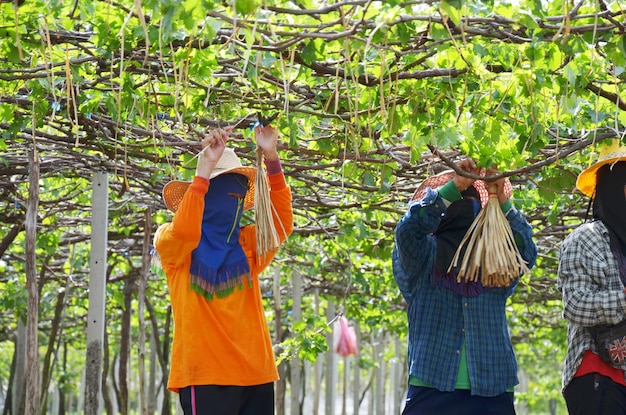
[610, 152]
[174, 191]
[438, 180]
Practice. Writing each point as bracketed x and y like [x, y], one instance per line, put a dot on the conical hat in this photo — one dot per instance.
[610, 152]
[438, 180]
[174, 191]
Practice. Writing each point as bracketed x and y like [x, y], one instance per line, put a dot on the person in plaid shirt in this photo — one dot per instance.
[591, 278]
[460, 355]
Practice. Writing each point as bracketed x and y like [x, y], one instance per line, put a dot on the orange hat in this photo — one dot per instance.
[174, 191]
[438, 180]
[611, 151]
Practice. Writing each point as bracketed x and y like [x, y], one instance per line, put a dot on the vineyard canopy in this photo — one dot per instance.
[370, 97]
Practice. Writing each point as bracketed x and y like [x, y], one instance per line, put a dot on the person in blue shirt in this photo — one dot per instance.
[460, 355]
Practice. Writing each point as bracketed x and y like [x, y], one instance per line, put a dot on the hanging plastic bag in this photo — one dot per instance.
[345, 338]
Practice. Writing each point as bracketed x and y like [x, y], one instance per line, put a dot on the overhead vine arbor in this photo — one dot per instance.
[370, 97]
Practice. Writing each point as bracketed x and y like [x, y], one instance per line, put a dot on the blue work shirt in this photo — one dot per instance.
[440, 319]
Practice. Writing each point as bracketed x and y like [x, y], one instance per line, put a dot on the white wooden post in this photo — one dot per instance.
[317, 368]
[356, 382]
[331, 365]
[281, 384]
[379, 390]
[399, 390]
[152, 394]
[97, 290]
[522, 406]
[143, 283]
[296, 383]
[345, 384]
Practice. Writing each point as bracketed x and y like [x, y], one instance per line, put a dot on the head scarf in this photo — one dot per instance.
[609, 203]
[218, 264]
[449, 234]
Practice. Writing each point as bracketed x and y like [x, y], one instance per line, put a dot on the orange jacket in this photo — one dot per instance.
[223, 341]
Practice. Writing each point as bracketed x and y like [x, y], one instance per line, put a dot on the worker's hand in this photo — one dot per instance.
[497, 186]
[267, 140]
[463, 182]
[213, 145]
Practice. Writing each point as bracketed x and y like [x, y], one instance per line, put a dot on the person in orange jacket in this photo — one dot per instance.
[222, 359]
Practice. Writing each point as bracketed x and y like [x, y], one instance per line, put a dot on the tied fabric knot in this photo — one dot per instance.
[218, 264]
[345, 342]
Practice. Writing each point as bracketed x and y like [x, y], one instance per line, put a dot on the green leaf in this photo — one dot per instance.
[439, 32]
[452, 9]
[528, 20]
[13, 53]
[246, 7]
[313, 50]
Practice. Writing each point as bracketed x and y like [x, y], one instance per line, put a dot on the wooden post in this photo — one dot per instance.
[143, 283]
[296, 364]
[151, 393]
[18, 394]
[97, 290]
[278, 331]
[356, 382]
[317, 368]
[398, 390]
[32, 320]
[522, 405]
[345, 384]
[379, 389]
[331, 365]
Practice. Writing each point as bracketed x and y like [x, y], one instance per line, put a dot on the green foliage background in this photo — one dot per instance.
[371, 97]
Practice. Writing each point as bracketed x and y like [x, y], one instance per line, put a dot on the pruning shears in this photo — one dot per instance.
[252, 121]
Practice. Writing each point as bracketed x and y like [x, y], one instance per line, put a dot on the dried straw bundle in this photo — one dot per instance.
[267, 240]
[490, 251]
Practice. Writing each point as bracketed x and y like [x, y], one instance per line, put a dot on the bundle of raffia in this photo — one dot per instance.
[490, 253]
[267, 240]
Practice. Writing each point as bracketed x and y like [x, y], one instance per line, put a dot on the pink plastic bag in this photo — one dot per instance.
[345, 338]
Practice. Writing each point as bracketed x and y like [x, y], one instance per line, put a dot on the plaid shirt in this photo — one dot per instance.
[593, 293]
[439, 319]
